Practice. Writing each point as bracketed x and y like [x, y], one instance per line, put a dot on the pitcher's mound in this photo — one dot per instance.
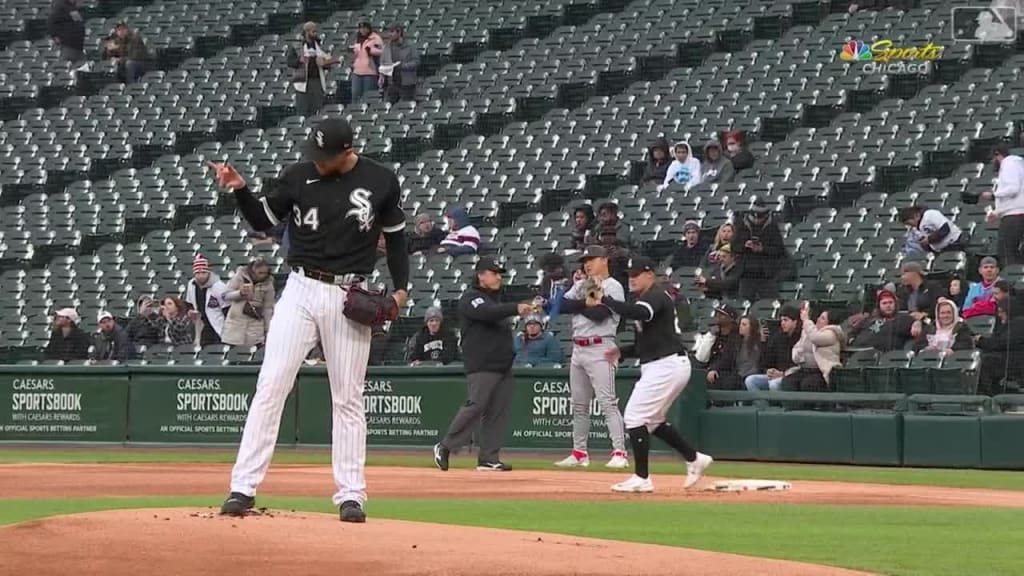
[190, 542]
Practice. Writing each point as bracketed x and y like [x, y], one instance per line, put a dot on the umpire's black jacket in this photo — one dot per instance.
[486, 331]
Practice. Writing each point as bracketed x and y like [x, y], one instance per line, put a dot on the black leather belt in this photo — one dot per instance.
[328, 278]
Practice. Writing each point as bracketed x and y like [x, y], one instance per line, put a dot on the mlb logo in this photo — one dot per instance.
[984, 24]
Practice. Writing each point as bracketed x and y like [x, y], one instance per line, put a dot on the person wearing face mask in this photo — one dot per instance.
[760, 252]
[309, 63]
[946, 334]
[736, 151]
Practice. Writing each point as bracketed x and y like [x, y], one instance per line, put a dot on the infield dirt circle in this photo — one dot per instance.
[189, 541]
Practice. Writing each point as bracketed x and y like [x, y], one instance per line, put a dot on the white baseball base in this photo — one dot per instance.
[748, 485]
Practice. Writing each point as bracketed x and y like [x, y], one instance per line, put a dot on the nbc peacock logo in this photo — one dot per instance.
[854, 51]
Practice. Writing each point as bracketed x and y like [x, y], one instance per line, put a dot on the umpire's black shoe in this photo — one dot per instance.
[351, 511]
[441, 456]
[237, 504]
[497, 466]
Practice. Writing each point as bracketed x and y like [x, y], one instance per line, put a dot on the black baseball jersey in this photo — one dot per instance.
[335, 220]
[657, 332]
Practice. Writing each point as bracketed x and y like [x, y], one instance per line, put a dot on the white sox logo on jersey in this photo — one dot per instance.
[362, 209]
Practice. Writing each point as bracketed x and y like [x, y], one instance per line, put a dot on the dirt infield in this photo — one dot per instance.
[191, 542]
[92, 480]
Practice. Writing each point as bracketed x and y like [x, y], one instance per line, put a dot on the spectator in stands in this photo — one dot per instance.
[657, 161]
[175, 323]
[751, 350]
[716, 168]
[140, 330]
[425, 237]
[463, 237]
[128, 51]
[736, 151]
[67, 341]
[684, 170]
[979, 300]
[725, 281]
[1003, 291]
[913, 245]
[434, 342]
[111, 342]
[955, 291]
[251, 295]
[1002, 353]
[400, 64]
[1009, 205]
[722, 373]
[583, 221]
[937, 233]
[535, 347]
[612, 232]
[204, 294]
[760, 253]
[778, 351]
[884, 330]
[946, 334]
[692, 250]
[309, 63]
[66, 27]
[366, 53]
[722, 238]
[816, 354]
[916, 295]
[554, 283]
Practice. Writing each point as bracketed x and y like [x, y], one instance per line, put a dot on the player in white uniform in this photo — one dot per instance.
[664, 374]
[590, 372]
[339, 204]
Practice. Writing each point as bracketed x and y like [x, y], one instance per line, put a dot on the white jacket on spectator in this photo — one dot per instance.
[1009, 191]
[686, 173]
[215, 303]
[248, 319]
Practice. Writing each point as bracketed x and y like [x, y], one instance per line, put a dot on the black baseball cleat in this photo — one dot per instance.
[237, 504]
[441, 456]
[351, 511]
[498, 466]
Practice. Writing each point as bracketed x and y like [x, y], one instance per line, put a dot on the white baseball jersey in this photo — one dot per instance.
[583, 327]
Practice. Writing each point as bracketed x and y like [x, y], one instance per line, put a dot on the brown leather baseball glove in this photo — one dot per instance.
[372, 308]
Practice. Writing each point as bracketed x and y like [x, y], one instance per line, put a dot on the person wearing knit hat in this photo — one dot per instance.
[692, 250]
[778, 356]
[67, 341]
[434, 342]
[425, 237]
[535, 347]
[204, 295]
[885, 329]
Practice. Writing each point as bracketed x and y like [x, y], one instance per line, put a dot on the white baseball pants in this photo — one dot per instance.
[661, 382]
[308, 311]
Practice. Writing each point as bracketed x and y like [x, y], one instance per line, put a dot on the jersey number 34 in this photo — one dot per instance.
[310, 219]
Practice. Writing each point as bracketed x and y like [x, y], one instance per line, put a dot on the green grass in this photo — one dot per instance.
[1005, 480]
[909, 541]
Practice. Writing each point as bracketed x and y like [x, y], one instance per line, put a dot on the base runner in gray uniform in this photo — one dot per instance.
[590, 372]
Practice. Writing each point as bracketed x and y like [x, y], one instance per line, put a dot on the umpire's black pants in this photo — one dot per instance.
[488, 403]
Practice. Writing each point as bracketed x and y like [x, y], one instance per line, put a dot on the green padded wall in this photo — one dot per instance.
[877, 438]
[941, 441]
[1002, 441]
[729, 432]
[801, 436]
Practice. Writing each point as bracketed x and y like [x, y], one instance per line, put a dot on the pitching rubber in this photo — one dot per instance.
[747, 485]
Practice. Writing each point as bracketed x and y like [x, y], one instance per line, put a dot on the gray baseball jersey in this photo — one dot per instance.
[583, 327]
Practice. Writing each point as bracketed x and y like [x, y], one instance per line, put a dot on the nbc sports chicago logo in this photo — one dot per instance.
[884, 57]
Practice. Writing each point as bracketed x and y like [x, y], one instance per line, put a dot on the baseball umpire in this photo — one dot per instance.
[664, 374]
[487, 353]
[338, 204]
[590, 372]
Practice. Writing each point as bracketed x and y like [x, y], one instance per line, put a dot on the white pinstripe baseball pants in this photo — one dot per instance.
[308, 311]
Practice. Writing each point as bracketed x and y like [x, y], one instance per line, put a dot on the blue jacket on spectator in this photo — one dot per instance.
[544, 349]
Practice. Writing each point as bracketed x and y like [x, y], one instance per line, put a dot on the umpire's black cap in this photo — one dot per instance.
[486, 264]
[641, 264]
[330, 138]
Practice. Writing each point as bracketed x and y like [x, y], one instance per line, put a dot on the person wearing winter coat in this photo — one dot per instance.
[535, 347]
[691, 252]
[583, 223]
[716, 168]
[916, 294]
[111, 342]
[658, 161]
[66, 27]
[817, 353]
[684, 170]
[724, 282]
[67, 341]
[736, 151]
[366, 53]
[204, 294]
[128, 51]
[946, 333]
[309, 63]
[760, 253]
[174, 322]
[885, 330]
[979, 300]
[434, 342]
[778, 352]
[402, 59]
[721, 374]
[251, 295]
[425, 237]
[463, 238]
[1002, 353]
[140, 331]
[751, 351]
